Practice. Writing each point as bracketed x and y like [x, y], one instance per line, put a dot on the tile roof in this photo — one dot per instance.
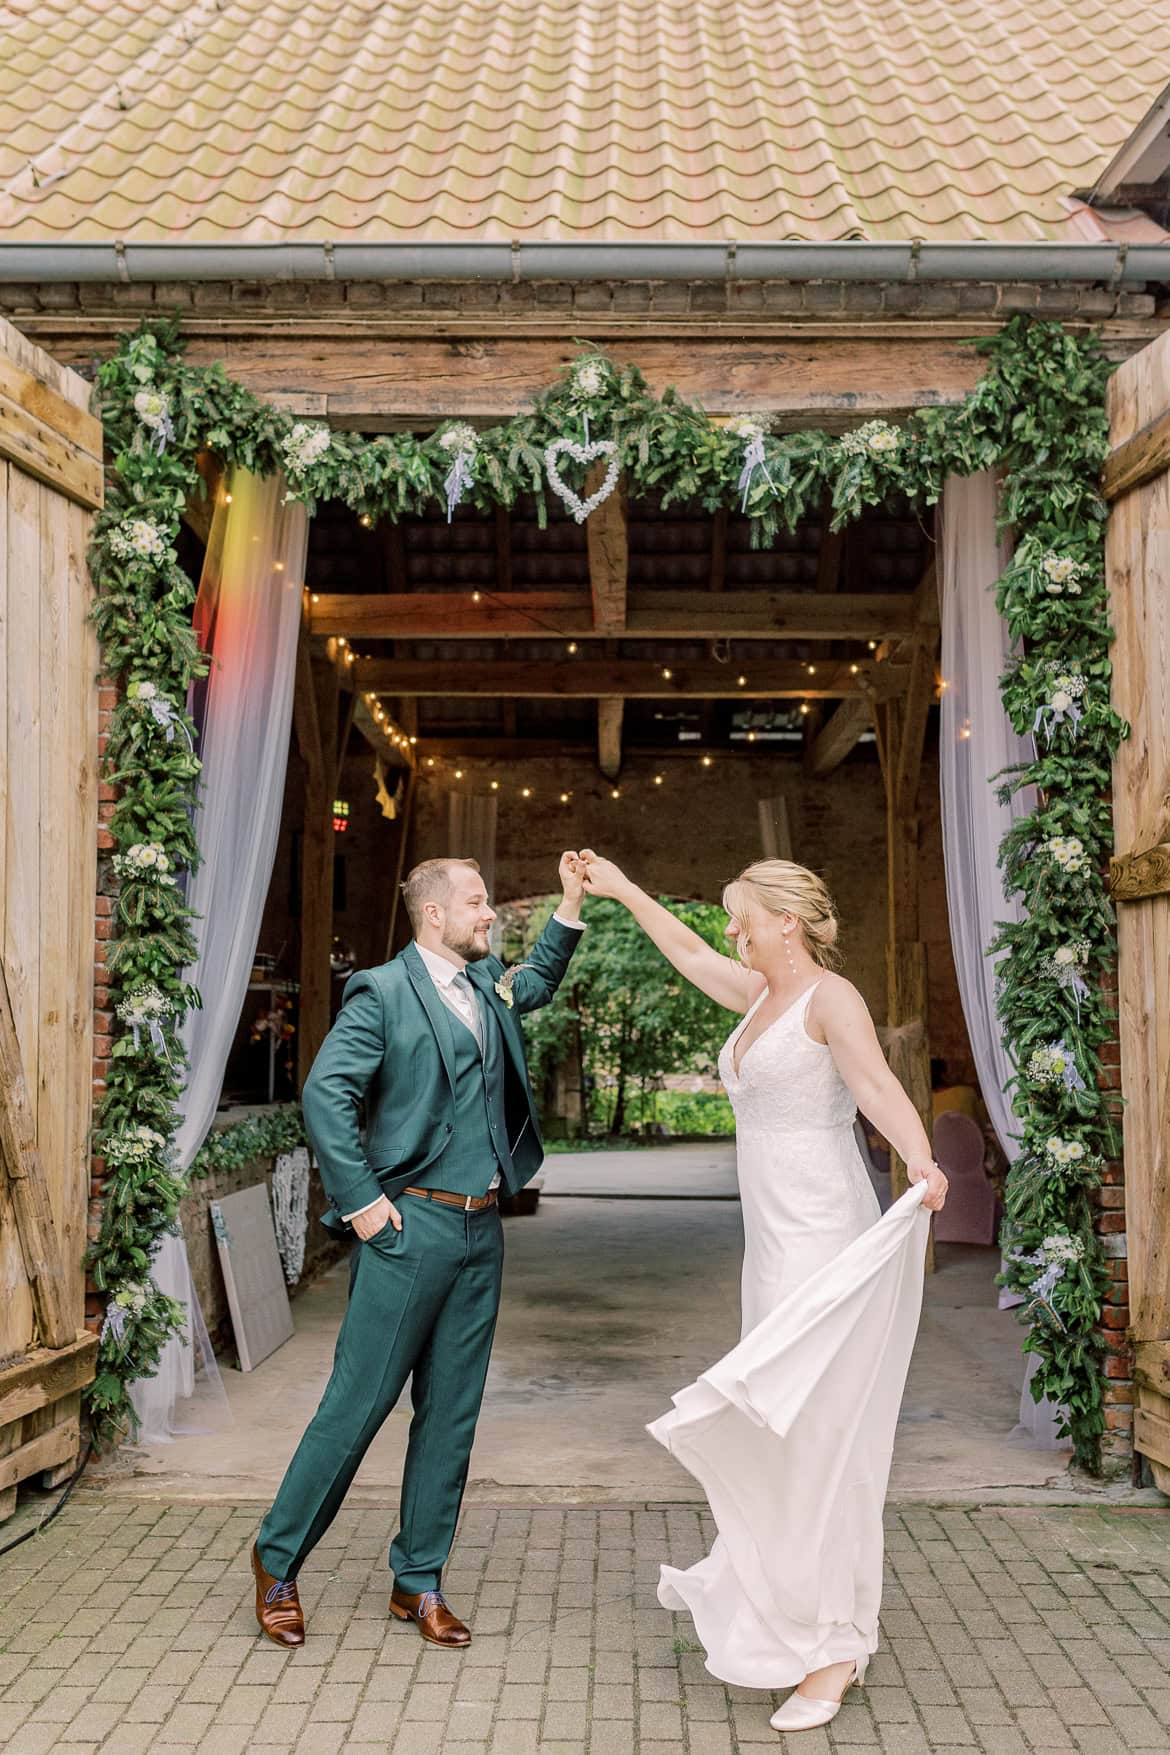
[248, 120]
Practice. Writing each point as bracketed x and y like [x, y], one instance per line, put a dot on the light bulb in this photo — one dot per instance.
[742, 681]
[854, 669]
[572, 648]
[706, 761]
[278, 566]
[459, 773]
[227, 499]
[313, 598]
[615, 793]
[873, 645]
[658, 779]
[666, 674]
[366, 520]
[804, 706]
[475, 597]
[495, 786]
[526, 792]
[564, 798]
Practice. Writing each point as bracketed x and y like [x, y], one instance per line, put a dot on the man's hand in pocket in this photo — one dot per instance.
[376, 1218]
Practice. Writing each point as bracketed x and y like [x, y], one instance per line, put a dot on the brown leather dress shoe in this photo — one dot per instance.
[278, 1607]
[432, 1615]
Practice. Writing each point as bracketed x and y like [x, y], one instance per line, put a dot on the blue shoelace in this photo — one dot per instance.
[283, 1591]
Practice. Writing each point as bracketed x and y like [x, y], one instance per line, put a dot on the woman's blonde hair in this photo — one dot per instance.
[781, 887]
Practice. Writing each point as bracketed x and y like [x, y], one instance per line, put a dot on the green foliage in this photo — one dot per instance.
[259, 1136]
[635, 1017]
[1037, 413]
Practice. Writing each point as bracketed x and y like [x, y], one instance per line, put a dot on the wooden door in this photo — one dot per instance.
[1138, 567]
[50, 485]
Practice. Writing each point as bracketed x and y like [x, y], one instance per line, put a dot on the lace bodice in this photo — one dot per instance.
[787, 1083]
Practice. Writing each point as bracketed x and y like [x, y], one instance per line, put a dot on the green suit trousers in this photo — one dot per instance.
[423, 1303]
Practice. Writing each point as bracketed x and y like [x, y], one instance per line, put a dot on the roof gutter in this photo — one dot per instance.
[1114, 265]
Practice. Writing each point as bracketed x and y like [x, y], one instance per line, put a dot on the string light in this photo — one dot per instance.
[666, 674]
[572, 648]
[227, 499]
[495, 786]
[526, 792]
[854, 669]
[804, 706]
[751, 737]
[459, 773]
[873, 645]
[742, 681]
[366, 520]
[812, 670]
[707, 761]
[313, 598]
[615, 793]
[475, 597]
[658, 779]
[278, 566]
[430, 761]
[565, 797]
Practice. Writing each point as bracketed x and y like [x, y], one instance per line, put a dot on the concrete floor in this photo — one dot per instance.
[610, 1305]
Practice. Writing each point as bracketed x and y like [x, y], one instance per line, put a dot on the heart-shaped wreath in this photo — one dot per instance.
[584, 454]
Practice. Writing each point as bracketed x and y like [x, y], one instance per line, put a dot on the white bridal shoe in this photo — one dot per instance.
[801, 1713]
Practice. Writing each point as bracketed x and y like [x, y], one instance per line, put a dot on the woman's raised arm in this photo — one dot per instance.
[726, 982]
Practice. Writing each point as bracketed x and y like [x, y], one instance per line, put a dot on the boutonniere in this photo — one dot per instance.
[504, 984]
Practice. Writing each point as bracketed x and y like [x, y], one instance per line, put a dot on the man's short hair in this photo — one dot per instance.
[430, 882]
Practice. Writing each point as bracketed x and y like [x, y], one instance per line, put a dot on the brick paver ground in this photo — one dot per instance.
[127, 1627]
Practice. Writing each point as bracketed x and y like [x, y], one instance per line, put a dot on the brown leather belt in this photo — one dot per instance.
[471, 1203]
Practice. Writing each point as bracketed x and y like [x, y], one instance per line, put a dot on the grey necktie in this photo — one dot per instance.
[467, 1006]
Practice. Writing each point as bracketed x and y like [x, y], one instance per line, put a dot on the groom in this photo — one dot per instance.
[431, 1043]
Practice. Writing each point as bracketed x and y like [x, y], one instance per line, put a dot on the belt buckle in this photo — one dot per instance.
[467, 1203]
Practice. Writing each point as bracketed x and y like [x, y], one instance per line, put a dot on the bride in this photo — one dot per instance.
[791, 1435]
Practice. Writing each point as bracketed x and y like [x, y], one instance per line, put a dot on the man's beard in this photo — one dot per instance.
[467, 947]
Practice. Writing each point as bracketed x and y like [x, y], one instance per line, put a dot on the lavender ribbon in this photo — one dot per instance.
[753, 459]
[456, 482]
[166, 715]
[1048, 717]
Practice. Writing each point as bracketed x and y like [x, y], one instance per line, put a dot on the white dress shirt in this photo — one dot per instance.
[461, 1001]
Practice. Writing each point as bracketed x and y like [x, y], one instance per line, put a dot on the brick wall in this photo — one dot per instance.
[1113, 1333]
[103, 932]
[741, 301]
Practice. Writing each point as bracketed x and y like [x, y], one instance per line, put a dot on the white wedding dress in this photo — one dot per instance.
[791, 1434]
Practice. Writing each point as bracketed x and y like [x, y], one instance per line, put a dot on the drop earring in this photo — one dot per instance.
[788, 949]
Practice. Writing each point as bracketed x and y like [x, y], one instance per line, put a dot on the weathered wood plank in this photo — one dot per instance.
[1151, 1365]
[27, 1185]
[919, 700]
[610, 712]
[489, 376]
[32, 419]
[51, 1448]
[1138, 460]
[651, 614]
[1151, 1436]
[82, 794]
[46, 1374]
[1135, 876]
[591, 679]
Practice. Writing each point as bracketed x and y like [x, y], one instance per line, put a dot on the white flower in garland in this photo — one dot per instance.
[138, 539]
[145, 860]
[1062, 1153]
[154, 411]
[877, 438]
[589, 380]
[159, 709]
[1067, 851]
[1055, 1064]
[128, 1304]
[460, 442]
[1066, 966]
[303, 446]
[146, 1008]
[1066, 689]
[134, 1145]
[1056, 1255]
[1061, 574]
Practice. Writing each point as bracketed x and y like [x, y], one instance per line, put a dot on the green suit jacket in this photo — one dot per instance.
[389, 1049]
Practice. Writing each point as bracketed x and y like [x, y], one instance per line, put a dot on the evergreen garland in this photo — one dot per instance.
[1037, 413]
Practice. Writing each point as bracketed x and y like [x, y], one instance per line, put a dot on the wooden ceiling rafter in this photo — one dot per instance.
[629, 678]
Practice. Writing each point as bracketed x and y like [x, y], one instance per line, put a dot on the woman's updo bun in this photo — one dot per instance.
[781, 887]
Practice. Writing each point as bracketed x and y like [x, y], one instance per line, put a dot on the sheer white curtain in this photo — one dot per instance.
[249, 613]
[976, 741]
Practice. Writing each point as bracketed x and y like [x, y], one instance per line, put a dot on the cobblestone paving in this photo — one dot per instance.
[127, 1627]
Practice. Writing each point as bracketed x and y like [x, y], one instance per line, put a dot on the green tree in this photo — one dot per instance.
[622, 1008]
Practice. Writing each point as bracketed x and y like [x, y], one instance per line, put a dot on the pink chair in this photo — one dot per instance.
[970, 1213]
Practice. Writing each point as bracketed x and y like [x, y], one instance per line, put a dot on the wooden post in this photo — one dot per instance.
[400, 859]
[315, 705]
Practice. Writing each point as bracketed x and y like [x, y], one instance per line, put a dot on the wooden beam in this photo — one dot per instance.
[839, 735]
[650, 614]
[46, 1374]
[404, 822]
[1134, 876]
[607, 533]
[1138, 460]
[425, 377]
[633, 678]
[57, 1445]
[610, 711]
[453, 747]
[317, 854]
[28, 1189]
[503, 522]
[919, 699]
[308, 732]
